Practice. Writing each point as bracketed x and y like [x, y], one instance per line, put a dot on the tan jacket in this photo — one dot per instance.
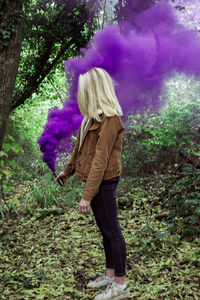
[99, 156]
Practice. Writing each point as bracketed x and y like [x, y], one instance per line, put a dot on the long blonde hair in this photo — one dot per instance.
[96, 91]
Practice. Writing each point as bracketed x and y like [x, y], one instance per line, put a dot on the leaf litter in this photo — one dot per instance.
[54, 256]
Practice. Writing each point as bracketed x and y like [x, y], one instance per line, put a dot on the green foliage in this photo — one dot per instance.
[157, 142]
[8, 165]
[52, 33]
[168, 143]
[27, 121]
[164, 144]
[183, 197]
[8, 20]
[20, 158]
[53, 244]
[46, 193]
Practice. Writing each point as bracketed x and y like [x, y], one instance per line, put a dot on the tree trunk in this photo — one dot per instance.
[9, 60]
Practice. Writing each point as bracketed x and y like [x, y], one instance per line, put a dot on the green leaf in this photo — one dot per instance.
[197, 211]
[192, 202]
[6, 147]
[13, 163]
[11, 138]
[17, 149]
[134, 239]
[161, 234]
[8, 189]
[16, 202]
[144, 242]
[3, 154]
[153, 245]
[7, 172]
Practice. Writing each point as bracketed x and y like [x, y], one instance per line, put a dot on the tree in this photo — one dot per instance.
[53, 31]
[50, 31]
[10, 47]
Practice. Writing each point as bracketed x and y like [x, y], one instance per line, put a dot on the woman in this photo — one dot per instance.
[97, 161]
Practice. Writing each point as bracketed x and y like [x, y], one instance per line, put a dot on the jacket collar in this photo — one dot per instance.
[84, 129]
[85, 125]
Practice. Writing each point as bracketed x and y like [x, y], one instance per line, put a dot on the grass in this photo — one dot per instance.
[51, 253]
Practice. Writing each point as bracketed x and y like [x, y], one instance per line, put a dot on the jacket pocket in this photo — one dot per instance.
[94, 126]
[83, 163]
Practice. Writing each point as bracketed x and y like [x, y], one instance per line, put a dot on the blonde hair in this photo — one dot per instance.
[96, 91]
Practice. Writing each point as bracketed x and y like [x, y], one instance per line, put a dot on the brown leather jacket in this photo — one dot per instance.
[99, 156]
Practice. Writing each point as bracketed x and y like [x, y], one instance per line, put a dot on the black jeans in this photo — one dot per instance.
[104, 207]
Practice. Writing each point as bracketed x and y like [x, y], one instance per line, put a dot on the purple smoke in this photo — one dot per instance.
[61, 123]
[139, 57]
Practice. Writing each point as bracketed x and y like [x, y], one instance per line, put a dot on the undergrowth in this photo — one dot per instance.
[51, 253]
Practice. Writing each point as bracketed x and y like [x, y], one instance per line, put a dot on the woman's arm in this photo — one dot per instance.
[107, 137]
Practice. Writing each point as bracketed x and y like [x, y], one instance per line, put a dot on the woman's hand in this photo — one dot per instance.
[84, 207]
[61, 176]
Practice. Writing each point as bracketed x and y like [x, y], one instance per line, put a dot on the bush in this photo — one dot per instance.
[27, 121]
[158, 142]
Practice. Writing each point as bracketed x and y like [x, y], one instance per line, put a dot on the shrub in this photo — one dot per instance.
[158, 142]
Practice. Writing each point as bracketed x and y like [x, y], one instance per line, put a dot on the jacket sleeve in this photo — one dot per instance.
[107, 136]
[69, 169]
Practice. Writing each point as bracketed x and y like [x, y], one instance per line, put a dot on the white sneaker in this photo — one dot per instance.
[100, 281]
[113, 291]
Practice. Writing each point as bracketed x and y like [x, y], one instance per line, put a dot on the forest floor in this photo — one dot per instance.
[53, 254]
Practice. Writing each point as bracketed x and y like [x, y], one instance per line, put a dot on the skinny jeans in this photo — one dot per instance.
[104, 207]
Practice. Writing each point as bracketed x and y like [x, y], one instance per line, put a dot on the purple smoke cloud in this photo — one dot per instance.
[139, 57]
[61, 123]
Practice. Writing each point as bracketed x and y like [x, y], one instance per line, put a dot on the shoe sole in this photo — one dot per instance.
[124, 296]
[99, 286]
